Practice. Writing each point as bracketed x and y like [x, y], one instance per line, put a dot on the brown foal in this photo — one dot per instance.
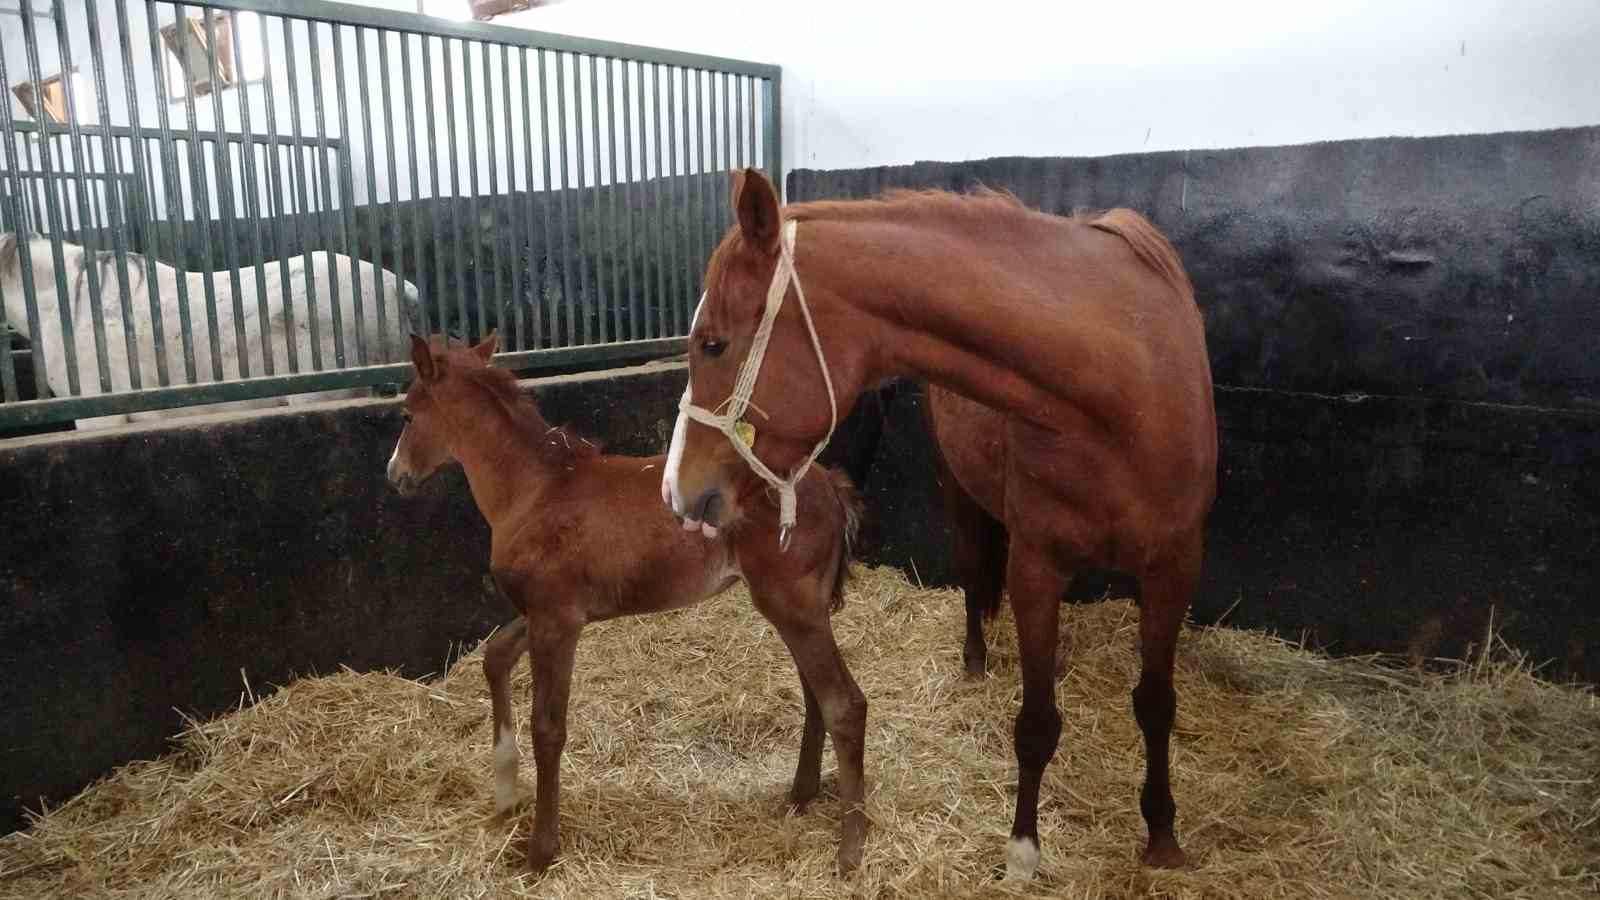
[579, 536]
[1081, 332]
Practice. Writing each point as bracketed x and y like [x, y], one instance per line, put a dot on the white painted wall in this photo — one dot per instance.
[872, 82]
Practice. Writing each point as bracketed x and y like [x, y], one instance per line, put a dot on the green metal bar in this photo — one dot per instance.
[773, 131]
[546, 326]
[348, 14]
[132, 131]
[658, 223]
[374, 209]
[706, 141]
[19, 207]
[416, 178]
[520, 225]
[335, 313]
[536, 273]
[724, 185]
[33, 413]
[112, 156]
[434, 175]
[494, 192]
[174, 194]
[455, 197]
[596, 313]
[583, 262]
[401, 312]
[635, 304]
[612, 316]
[682, 242]
[69, 344]
[568, 301]
[303, 205]
[276, 196]
[201, 194]
[349, 232]
[252, 204]
[473, 222]
[223, 167]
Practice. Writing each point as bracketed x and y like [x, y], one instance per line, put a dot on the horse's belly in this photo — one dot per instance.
[971, 438]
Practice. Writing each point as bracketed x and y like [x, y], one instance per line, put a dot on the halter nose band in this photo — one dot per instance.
[730, 421]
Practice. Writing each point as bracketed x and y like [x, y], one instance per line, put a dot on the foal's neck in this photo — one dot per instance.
[507, 460]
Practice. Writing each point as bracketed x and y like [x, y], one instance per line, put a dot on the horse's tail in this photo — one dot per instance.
[1149, 243]
[851, 502]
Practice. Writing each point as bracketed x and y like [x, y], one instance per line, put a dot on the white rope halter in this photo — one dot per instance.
[728, 417]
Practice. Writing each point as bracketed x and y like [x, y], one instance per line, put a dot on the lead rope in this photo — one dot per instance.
[730, 413]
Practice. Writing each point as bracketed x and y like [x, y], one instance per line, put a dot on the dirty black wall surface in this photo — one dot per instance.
[1402, 335]
[146, 568]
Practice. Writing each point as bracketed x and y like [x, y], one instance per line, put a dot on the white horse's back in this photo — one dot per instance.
[383, 317]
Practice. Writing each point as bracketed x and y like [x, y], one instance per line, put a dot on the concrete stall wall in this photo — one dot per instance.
[1402, 336]
[148, 571]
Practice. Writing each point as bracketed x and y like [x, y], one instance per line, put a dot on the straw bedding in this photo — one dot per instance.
[1295, 776]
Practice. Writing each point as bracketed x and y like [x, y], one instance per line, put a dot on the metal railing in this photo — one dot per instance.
[456, 177]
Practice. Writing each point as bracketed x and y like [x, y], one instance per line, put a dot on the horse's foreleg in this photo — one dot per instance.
[1166, 595]
[1036, 587]
[808, 770]
[552, 649]
[801, 618]
[978, 557]
[500, 656]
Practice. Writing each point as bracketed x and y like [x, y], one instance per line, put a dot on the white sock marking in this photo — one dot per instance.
[505, 770]
[1022, 858]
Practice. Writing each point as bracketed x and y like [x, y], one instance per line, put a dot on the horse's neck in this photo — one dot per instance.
[925, 317]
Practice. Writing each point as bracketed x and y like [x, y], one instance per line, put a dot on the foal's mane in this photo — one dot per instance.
[557, 444]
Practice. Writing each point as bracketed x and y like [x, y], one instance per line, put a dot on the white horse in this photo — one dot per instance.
[401, 307]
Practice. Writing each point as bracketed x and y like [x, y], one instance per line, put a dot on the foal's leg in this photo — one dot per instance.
[808, 771]
[500, 656]
[1036, 587]
[1166, 595]
[800, 614]
[552, 649]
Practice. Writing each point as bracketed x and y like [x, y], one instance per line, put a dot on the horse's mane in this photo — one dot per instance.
[556, 444]
[904, 203]
[985, 204]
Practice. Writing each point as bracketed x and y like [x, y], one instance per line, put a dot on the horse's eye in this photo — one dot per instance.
[713, 346]
[405, 416]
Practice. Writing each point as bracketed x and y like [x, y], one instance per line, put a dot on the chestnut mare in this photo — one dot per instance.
[579, 536]
[1083, 332]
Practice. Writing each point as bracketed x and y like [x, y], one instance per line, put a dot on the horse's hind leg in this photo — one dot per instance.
[1165, 597]
[978, 558]
[500, 656]
[808, 770]
[800, 615]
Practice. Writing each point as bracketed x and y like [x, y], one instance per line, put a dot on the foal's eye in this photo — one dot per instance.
[405, 416]
[713, 346]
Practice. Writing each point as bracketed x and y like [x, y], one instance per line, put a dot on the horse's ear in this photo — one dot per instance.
[485, 348]
[422, 358]
[756, 204]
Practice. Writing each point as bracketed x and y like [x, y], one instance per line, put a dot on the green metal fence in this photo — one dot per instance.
[241, 199]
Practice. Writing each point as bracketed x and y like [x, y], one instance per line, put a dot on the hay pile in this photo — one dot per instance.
[1296, 776]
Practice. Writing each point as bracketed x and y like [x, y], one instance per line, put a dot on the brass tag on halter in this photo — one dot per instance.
[746, 433]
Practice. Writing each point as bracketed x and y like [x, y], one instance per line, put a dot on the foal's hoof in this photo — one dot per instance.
[1022, 859]
[1164, 854]
[849, 861]
[976, 666]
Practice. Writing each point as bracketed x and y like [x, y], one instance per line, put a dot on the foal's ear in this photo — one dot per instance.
[756, 204]
[485, 348]
[422, 358]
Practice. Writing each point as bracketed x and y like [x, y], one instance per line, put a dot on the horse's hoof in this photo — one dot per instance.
[1164, 854]
[976, 667]
[849, 861]
[1022, 859]
[541, 855]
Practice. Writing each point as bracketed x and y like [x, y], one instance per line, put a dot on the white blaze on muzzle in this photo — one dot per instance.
[728, 417]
